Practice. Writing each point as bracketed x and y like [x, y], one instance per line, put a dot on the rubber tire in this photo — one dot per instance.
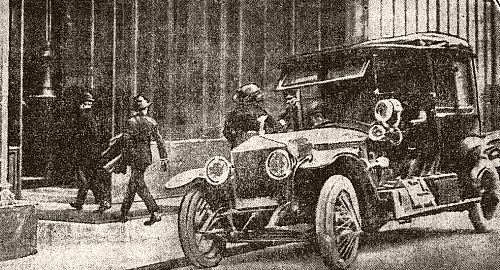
[187, 235]
[477, 218]
[476, 211]
[331, 190]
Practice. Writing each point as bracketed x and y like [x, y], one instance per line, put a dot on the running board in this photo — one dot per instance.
[403, 209]
[441, 208]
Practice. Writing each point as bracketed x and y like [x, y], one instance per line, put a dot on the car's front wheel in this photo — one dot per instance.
[196, 216]
[338, 223]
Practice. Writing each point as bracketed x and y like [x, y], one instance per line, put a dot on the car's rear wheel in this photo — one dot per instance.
[482, 212]
[338, 223]
[196, 215]
[477, 219]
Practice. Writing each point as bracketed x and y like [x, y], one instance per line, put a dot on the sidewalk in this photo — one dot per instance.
[63, 245]
[103, 243]
[71, 239]
[114, 245]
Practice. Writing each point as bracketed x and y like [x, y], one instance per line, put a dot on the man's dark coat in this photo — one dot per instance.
[140, 130]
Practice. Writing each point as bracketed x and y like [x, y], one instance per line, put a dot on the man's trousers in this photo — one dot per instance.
[95, 179]
[137, 185]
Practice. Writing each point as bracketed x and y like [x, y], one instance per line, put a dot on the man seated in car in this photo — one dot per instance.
[289, 119]
[317, 114]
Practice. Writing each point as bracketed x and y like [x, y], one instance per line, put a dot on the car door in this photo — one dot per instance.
[456, 109]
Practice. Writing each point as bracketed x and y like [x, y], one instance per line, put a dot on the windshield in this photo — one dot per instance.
[348, 92]
[352, 69]
[336, 94]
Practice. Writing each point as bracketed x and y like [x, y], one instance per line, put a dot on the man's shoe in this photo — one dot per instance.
[155, 216]
[76, 206]
[103, 207]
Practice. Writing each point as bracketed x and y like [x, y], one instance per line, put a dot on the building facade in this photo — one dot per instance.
[189, 56]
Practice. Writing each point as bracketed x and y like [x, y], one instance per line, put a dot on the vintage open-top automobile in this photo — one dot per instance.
[401, 138]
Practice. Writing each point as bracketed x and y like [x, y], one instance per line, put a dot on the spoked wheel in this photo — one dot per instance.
[196, 218]
[338, 223]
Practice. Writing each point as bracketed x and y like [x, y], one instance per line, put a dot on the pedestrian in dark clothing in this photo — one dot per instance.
[140, 130]
[248, 118]
[87, 155]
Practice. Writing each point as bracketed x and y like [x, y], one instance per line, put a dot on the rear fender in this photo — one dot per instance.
[484, 175]
[481, 163]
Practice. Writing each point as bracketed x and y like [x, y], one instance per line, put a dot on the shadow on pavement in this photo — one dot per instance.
[370, 242]
[408, 235]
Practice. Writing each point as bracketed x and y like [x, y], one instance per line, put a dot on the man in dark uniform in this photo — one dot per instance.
[248, 118]
[289, 119]
[422, 135]
[87, 156]
[139, 131]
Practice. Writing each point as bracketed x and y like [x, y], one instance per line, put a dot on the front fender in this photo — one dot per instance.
[185, 178]
[325, 158]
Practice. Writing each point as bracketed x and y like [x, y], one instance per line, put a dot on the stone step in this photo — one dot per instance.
[54, 194]
[64, 212]
[57, 233]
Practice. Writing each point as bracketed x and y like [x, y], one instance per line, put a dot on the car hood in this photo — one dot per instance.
[321, 139]
[249, 156]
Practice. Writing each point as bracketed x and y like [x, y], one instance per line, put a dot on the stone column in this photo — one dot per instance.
[4, 90]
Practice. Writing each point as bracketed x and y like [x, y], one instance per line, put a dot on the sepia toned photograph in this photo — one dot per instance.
[250, 134]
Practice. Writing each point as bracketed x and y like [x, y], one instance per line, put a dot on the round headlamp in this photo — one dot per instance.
[279, 164]
[217, 170]
[376, 133]
[395, 136]
[387, 108]
[383, 110]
